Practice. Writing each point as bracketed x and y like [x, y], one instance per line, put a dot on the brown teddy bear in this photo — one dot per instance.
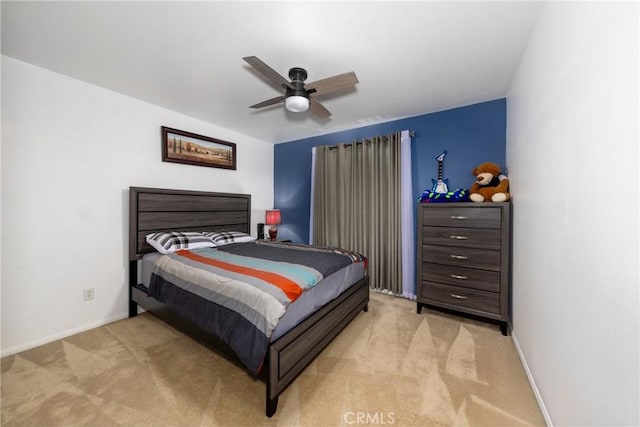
[490, 184]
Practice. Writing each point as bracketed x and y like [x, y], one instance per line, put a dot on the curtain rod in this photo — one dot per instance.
[367, 140]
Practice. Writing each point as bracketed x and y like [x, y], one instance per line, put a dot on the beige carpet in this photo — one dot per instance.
[390, 366]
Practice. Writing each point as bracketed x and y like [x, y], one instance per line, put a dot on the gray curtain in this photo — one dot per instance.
[357, 204]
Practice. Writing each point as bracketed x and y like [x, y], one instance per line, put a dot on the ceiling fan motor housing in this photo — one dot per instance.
[298, 76]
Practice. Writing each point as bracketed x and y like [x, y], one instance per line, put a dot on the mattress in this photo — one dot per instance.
[308, 303]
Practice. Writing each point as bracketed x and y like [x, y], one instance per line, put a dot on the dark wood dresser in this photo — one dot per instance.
[464, 259]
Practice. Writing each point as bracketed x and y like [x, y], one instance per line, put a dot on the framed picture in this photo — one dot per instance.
[179, 146]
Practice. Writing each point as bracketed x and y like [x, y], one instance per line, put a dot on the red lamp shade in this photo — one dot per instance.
[273, 218]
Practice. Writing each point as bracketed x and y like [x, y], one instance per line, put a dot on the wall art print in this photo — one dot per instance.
[185, 147]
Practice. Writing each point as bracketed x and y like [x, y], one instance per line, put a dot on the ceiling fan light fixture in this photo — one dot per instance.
[296, 103]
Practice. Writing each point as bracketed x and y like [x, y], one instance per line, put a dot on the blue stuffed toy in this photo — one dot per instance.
[440, 193]
[430, 196]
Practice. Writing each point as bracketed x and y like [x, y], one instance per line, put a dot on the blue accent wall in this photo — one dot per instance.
[471, 135]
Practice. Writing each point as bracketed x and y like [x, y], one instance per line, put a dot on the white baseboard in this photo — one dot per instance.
[60, 335]
[536, 392]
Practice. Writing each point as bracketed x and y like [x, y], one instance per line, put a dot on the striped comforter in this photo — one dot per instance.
[239, 292]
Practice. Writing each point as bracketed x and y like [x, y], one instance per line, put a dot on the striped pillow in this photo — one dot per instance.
[171, 241]
[221, 238]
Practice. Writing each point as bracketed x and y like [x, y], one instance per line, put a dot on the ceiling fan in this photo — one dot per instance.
[299, 96]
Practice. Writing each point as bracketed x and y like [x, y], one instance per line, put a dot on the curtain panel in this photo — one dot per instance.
[357, 193]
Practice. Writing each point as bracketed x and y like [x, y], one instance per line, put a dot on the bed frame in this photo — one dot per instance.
[153, 209]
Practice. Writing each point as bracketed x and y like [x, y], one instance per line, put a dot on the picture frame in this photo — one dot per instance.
[189, 148]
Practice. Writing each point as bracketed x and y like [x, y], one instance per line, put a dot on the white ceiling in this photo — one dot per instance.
[411, 58]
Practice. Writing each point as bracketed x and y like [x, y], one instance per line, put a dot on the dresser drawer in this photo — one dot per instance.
[485, 238]
[457, 297]
[484, 280]
[462, 217]
[462, 257]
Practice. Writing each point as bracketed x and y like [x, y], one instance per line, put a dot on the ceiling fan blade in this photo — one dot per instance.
[318, 109]
[268, 72]
[268, 102]
[333, 84]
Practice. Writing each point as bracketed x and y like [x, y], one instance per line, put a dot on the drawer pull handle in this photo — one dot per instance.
[458, 257]
[453, 236]
[457, 276]
[456, 296]
[458, 217]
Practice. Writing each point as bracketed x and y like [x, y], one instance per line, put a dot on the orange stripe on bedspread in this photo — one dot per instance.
[289, 287]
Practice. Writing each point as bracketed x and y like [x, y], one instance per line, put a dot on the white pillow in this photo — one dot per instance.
[221, 238]
[171, 241]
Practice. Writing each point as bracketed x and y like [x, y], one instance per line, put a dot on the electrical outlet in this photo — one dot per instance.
[88, 294]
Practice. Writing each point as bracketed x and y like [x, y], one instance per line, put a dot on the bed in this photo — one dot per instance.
[292, 347]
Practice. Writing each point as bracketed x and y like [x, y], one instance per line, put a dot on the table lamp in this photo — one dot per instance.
[273, 218]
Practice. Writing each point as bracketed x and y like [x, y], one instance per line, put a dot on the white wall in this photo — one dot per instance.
[572, 153]
[70, 151]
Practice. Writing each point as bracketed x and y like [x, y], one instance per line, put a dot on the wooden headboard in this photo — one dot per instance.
[154, 209]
